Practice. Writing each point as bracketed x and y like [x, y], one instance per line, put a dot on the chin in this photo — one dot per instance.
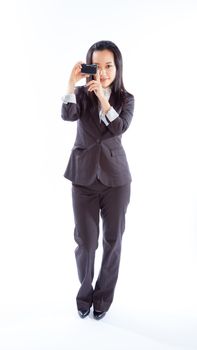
[106, 84]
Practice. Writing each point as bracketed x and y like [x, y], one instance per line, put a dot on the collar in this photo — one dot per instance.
[107, 92]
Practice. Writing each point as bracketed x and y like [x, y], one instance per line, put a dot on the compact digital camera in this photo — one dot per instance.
[89, 68]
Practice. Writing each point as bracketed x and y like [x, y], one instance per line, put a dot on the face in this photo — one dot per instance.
[106, 66]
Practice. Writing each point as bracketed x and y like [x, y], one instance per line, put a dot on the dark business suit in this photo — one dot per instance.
[101, 179]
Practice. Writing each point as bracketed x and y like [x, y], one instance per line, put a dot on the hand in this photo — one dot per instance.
[95, 85]
[75, 76]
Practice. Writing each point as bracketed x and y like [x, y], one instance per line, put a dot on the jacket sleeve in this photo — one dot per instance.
[71, 111]
[120, 124]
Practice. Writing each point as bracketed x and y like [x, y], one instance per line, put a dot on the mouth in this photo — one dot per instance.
[102, 80]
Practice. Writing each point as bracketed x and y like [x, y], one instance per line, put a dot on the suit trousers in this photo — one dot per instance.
[89, 203]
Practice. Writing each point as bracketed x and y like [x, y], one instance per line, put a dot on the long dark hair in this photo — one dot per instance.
[117, 85]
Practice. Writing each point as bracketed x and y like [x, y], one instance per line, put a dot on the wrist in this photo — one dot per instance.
[70, 87]
[105, 105]
[106, 110]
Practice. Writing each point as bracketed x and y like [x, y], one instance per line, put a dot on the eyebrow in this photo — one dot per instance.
[105, 63]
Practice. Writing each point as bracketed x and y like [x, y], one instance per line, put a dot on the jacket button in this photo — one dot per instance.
[98, 141]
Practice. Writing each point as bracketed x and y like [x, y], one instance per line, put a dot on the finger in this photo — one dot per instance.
[91, 82]
[97, 76]
[85, 75]
[78, 64]
[92, 88]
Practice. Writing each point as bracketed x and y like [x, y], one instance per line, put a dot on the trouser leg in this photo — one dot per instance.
[86, 215]
[114, 202]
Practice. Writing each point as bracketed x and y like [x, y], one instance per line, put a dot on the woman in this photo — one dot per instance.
[99, 171]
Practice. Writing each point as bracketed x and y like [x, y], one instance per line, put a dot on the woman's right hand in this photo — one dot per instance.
[75, 76]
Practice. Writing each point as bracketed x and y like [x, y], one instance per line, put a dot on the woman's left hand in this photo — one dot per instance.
[95, 85]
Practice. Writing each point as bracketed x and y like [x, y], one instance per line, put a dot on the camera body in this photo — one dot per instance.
[89, 68]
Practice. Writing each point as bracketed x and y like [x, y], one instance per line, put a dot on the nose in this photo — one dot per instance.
[102, 72]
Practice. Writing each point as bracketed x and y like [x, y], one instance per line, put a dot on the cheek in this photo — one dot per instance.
[113, 75]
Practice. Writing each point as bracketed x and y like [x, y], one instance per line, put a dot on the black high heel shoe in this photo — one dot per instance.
[99, 314]
[83, 313]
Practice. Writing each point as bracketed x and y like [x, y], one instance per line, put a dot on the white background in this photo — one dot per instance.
[155, 302]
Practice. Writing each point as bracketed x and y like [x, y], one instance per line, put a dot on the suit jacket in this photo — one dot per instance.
[97, 151]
